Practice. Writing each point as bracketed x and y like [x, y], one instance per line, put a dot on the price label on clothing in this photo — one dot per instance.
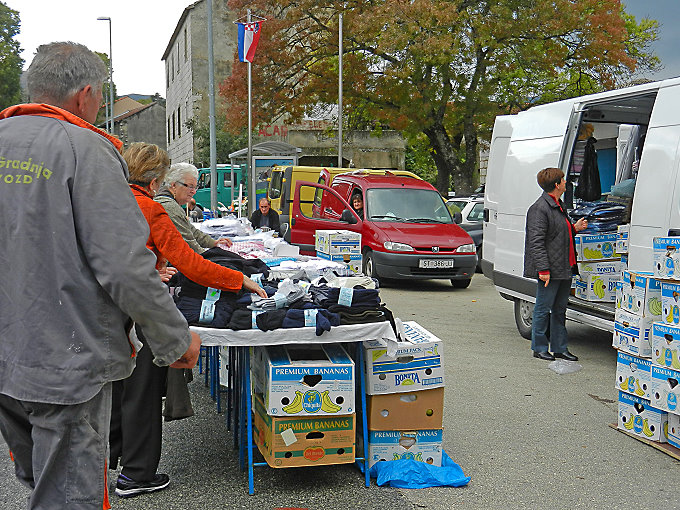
[310, 317]
[257, 278]
[212, 294]
[345, 297]
[304, 285]
[254, 317]
[279, 300]
[207, 311]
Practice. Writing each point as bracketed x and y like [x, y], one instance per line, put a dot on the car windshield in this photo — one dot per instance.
[406, 205]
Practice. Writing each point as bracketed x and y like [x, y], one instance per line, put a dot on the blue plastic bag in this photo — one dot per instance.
[413, 474]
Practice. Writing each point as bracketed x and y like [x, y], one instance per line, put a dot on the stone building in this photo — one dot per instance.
[186, 71]
[136, 122]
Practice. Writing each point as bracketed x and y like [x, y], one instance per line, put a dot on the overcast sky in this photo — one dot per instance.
[141, 30]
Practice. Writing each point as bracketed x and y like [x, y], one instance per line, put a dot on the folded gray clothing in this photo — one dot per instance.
[279, 300]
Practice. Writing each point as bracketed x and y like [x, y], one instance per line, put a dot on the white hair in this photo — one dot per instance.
[178, 171]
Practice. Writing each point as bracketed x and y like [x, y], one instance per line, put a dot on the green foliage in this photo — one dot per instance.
[10, 61]
[225, 143]
[419, 159]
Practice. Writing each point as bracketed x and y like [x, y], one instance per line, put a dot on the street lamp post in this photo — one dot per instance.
[109, 126]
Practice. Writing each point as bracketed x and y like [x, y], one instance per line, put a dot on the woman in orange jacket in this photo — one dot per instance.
[136, 425]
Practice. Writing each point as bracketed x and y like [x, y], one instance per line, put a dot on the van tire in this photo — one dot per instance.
[461, 284]
[524, 311]
[369, 265]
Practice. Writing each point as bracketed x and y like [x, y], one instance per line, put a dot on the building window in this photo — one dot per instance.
[186, 44]
[179, 123]
[173, 125]
[167, 74]
[177, 57]
[168, 130]
[172, 63]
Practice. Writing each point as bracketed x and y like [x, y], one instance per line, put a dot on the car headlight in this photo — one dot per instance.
[389, 245]
[466, 248]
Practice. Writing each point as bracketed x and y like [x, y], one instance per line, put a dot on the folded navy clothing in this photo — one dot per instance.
[241, 319]
[324, 320]
[358, 315]
[598, 210]
[266, 321]
[191, 309]
[326, 297]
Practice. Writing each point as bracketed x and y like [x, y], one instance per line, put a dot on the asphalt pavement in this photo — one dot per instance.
[528, 437]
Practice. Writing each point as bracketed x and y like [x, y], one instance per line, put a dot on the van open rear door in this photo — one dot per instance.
[322, 212]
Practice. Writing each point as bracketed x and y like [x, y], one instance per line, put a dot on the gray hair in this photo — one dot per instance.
[178, 171]
[61, 69]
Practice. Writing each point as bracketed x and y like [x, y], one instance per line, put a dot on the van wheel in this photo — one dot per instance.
[461, 284]
[524, 311]
[369, 265]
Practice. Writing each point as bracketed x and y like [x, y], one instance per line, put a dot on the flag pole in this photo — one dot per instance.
[211, 115]
[340, 90]
[252, 206]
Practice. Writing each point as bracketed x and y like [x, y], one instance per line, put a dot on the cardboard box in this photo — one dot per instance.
[634, 375]
[665, 340]
[597, 287]
[622, 238]
[600, 267]
[417, 364]
[641, 294]
[670, 302]
[595, 247]
[406, 411]
[637, 416]
[674, 429]
[337, 242]
[420, 445]
[303, 441]
[354, 261]
[624, 261]
[308, 380]
[666, 253]
[665, 389]
[632, 333]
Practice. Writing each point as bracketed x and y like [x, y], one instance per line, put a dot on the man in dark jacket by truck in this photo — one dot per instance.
[550, 257]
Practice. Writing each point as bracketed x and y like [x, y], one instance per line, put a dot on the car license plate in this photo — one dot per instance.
[435, 263]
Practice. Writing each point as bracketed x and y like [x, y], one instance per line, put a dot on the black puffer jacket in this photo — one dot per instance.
[546, 242]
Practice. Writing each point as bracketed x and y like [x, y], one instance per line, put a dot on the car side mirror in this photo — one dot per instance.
[457, 217]
[348, 217]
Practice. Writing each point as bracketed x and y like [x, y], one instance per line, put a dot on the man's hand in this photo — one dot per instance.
[190, 358]
[224, 240]
[251, 286]
[545, 278]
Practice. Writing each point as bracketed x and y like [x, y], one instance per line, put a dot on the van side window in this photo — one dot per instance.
[204, 180]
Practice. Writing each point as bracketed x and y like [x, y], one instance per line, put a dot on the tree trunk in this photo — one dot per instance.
[444, 154]
[464, 180]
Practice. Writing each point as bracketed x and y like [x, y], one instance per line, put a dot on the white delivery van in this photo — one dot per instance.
[638, 136]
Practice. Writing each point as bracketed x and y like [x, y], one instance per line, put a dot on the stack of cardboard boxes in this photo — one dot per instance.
[599, 265]
[304, 405]
[340, 246]
[405, 398]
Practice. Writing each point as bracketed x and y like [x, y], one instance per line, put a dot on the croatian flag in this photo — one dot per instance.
[248, 37]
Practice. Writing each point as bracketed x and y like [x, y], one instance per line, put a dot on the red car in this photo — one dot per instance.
[406, 231]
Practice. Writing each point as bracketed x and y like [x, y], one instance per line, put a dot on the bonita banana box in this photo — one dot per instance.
[595, 247]
[303, 441]
[420, 445]
[670, 302]
[634, 375]
[665, 389]
[417, 364]
[308, 380]
[622, 235]
[674, 429]
[666, 253]
[406, 411]
[641, 294]
[353, 260]
[607, 267]
[632, 333]
[337, 242]
[597, 287]
[637, 416]
[666, 345]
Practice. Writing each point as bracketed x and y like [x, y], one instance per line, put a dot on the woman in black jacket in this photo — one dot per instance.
[550, 257]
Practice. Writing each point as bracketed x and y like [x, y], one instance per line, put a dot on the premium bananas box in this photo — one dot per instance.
[416, 365]
[637, 416]
[338, 242]
[622, 235]
[353, 260]
[406, 411]
[303, 441]
[597, 287]
[674, 429]
[420, 445]
[641, 294]
[634, 375]
[595, 247]
[670, 302]
[665, 389]
[632, 333]
[666, 345]
[666, 253]
[308, 380]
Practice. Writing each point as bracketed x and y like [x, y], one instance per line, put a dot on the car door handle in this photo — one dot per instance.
[674, 232]
[292, 222]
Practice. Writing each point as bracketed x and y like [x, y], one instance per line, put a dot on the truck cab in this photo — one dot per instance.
[406, 229]
[227, 183]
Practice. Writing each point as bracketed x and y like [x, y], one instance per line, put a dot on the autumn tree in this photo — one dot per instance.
[442, 69]
[10, 61]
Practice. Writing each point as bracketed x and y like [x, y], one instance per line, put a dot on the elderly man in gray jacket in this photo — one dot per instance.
[75, 274]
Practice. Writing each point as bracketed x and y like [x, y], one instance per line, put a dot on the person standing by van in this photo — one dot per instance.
[550, 257]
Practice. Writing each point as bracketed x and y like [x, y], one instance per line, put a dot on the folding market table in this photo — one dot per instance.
[244, 339]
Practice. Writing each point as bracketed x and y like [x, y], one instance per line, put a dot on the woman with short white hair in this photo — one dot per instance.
[178, 188]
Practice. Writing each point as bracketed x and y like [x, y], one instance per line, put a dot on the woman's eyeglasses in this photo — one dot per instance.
[191, 187]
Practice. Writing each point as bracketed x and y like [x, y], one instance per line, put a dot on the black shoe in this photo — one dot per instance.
[543, 355]
[126, 488]
[565, 355]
